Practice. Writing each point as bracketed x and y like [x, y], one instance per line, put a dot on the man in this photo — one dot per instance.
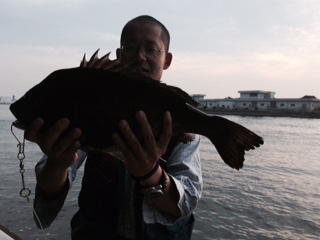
[143, 198]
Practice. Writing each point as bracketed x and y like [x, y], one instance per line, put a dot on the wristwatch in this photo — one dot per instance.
[156, 191]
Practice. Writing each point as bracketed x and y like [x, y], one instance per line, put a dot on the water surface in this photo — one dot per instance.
[275, 196]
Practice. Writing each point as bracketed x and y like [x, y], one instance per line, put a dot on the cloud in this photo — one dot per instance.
[219, 46]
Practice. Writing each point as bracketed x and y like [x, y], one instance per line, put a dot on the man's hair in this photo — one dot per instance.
[165, 36]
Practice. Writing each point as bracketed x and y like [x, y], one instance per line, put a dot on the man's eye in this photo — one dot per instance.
[151, 50]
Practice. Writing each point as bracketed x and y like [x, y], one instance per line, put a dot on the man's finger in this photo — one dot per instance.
[166, 132]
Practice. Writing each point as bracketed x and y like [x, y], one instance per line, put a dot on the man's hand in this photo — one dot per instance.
[61, 152]
[141, 158]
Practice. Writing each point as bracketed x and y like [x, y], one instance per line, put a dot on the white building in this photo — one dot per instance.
[259, 100]
[7, 100]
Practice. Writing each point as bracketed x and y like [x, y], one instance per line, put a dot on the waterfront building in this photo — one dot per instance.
[259, 100]
[7, 100]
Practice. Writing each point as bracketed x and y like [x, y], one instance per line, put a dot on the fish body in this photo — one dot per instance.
[95, 99]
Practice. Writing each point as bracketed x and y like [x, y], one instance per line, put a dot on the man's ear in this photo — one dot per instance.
[168, 61]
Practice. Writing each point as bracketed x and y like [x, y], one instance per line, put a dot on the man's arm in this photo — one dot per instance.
[48, 208]
[184, 169]
[168, 202]
[61, 153]
[141, 158]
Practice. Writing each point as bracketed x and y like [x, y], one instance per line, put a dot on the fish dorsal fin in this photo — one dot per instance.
[114, 66]
[105, 63]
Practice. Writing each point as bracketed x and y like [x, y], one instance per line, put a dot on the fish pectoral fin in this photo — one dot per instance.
[186, 138]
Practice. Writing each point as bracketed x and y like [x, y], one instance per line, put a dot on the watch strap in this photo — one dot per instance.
[158, 190]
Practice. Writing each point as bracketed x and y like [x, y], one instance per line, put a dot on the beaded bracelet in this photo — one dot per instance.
[151, 173]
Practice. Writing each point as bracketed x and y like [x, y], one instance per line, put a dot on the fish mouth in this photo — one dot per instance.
[19, 125]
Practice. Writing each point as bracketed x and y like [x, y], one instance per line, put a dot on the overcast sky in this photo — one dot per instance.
[219, 46]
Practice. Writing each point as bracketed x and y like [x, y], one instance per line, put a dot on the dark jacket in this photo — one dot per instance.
[99, 208]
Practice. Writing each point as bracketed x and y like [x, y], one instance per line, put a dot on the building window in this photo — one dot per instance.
[282, 105]
[292, 105]
[262, 104]
[244, 104]
[253, 94]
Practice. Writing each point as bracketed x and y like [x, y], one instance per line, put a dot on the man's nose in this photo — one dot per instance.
[141, 54]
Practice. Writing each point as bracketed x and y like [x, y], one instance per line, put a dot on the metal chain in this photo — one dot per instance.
[24, 192]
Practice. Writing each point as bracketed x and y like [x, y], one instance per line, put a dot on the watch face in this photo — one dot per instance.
[156, 191]
[155, 194]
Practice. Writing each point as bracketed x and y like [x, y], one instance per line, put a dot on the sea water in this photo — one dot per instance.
[275, 196]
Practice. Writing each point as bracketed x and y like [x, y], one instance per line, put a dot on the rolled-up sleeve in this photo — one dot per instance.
[48, 208]
[184, 167]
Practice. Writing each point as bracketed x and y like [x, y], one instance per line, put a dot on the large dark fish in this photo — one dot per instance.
[101, 92]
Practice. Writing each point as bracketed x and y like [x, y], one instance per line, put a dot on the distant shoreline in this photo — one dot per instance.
[264, 113]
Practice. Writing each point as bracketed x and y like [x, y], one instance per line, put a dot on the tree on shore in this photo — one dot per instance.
[309, 96]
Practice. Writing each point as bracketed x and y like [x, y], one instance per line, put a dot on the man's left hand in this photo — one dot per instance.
[141, 157]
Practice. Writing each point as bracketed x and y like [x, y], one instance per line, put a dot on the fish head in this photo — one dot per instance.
[25, 109]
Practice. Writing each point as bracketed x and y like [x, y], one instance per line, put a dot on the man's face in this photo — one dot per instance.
[143, 48]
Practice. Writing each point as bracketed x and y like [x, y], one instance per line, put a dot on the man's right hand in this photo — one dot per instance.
[61, 152]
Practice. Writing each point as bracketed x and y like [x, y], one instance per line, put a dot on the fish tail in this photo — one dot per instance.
[231, 140]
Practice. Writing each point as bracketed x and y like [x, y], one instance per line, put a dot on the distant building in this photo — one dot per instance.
[7, 100]
[259, 100]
